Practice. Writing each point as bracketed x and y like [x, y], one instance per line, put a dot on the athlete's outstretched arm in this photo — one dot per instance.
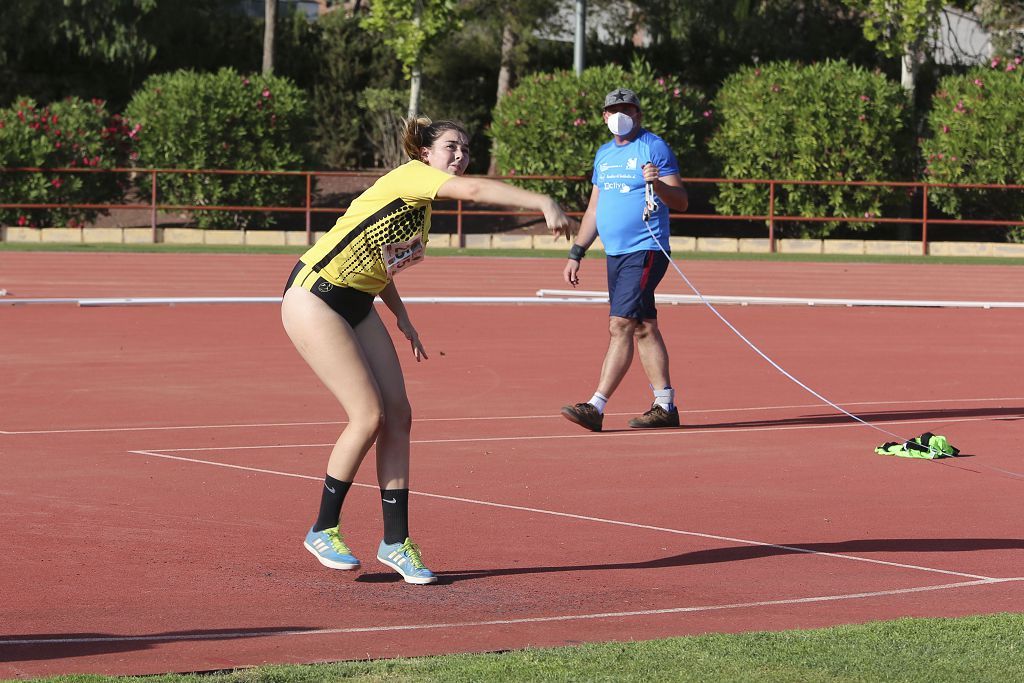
[487, 191]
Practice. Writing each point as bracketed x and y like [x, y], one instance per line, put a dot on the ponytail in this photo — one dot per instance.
[412, 139]
[422, 132]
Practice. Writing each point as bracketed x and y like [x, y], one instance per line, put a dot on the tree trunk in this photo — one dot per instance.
[908, 70]
[417, 72]
[414, 91]
[910, 62]
[506, 74]
[270, 19]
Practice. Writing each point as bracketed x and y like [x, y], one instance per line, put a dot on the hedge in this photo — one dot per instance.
[71, 133]
[223, 120]
[551, 124]
[824, 121]
[975, 122]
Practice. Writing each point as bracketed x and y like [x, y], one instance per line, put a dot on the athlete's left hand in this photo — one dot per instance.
[650, 172]
[405, 325]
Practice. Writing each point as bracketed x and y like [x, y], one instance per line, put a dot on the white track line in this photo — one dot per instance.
[494, 622]
[585, 518]
[88, 302]
[633, 433]
[546, 416]
[599, 296]
[543, 296]
[88, 430]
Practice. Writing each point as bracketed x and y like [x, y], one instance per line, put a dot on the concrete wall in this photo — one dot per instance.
[297, 238]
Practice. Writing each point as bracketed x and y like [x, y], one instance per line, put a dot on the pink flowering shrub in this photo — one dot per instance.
[71, 133]
[551, 124]
[824, 121]
[975, 124]
[223, 120]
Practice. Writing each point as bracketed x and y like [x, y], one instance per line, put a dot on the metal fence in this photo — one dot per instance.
[921, 217]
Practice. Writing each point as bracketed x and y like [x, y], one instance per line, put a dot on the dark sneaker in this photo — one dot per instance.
[656, 417]
[585, 415]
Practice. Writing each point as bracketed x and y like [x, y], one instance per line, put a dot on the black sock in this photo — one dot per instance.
[395, 504]
[330, 503]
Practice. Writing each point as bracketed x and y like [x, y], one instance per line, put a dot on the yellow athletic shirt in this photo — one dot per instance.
[384, 230]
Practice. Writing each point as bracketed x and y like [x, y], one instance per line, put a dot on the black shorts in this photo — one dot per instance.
[351, 304]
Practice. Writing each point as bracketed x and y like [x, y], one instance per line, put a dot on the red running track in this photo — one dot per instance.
[161, 465]
[49, 274]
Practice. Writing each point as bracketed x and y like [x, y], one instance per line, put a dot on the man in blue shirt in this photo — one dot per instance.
[623, 167]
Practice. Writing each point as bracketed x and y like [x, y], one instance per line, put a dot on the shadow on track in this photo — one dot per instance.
[42, 646]
[751, 552]
[877, 416]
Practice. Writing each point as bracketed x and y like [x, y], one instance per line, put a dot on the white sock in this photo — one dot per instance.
[598, 400]
[665, 397]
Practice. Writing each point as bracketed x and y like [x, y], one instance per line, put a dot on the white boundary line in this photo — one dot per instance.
[543, 296]
[501, 417]
[495, 622]
[980, 581]
[86, 302]
[637, 433]
[596, 295]
[585, 518]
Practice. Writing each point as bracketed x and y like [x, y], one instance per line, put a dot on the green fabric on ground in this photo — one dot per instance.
[928, 446]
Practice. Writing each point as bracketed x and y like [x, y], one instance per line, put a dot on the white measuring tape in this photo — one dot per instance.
[650, 206]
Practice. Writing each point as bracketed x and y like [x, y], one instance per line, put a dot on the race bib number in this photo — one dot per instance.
[401, 255]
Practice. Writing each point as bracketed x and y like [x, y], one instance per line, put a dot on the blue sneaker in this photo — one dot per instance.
[330, 549]
[405, 559]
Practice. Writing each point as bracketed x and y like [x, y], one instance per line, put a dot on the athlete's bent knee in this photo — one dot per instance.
[368, 423]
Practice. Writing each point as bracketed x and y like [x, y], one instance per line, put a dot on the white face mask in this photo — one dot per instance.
[620, 124]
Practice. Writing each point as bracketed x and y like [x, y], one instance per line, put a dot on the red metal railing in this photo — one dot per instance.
[924, 221]
[308, 208]
[154, 206]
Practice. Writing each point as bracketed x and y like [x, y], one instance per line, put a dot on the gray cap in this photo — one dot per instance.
[621, 96]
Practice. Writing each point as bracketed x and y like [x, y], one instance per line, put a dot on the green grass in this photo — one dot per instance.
[541, 253]
[981, 648]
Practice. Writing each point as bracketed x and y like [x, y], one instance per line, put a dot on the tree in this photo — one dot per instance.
[102, 29]
[49, 50]
[1003, 19]
[514, 28]
[901, 28]
[105, 49]
[409, 28]
[349, 60]
[708, 40]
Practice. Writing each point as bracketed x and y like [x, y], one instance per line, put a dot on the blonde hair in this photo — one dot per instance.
[422, 132]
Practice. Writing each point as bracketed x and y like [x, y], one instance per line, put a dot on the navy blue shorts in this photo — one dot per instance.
[351, 304]
[632, 279]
